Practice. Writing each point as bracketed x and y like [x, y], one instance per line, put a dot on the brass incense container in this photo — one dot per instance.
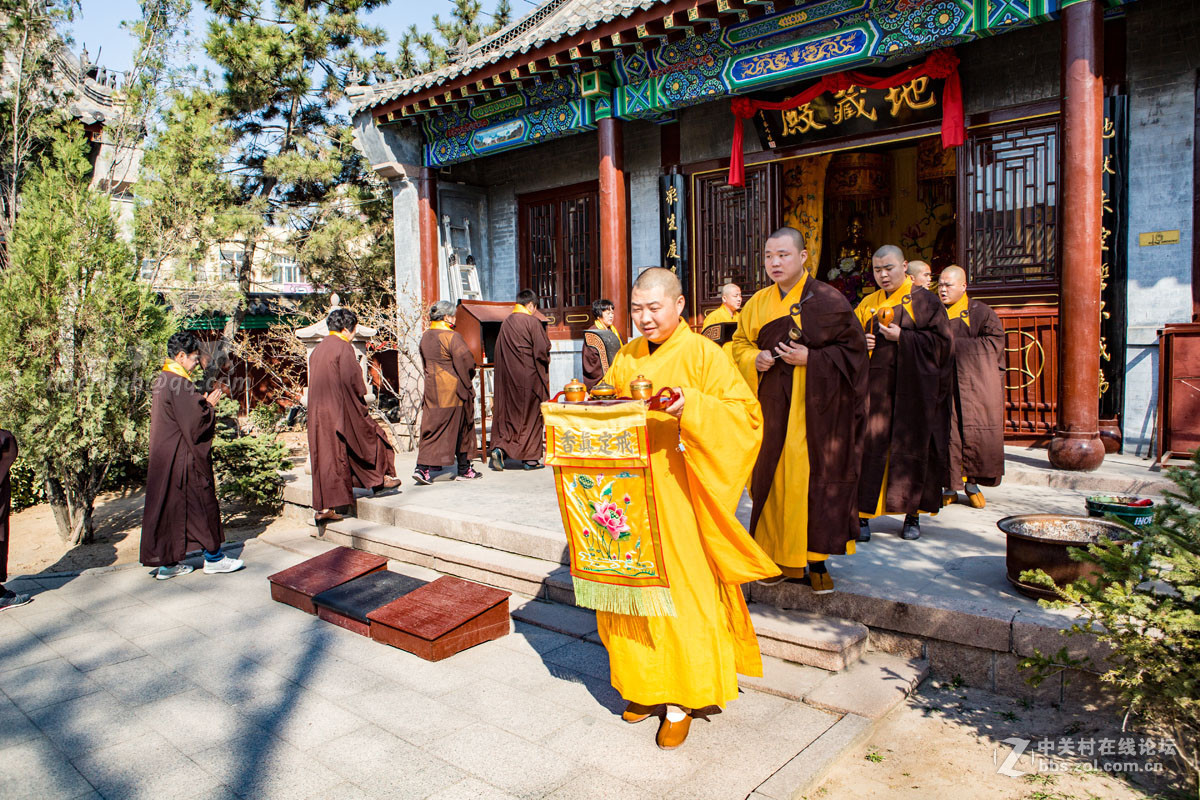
[641, 388]
[575, 391]
[603, 391]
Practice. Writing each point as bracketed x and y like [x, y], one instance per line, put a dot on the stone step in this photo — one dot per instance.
[531, 577]
[798, 637]
[500, 534]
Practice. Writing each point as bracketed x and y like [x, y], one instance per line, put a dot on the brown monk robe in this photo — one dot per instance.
[804, 484]
[908, 426]
[346, 447]
[977, 390]
[8, 454]
[600, 343]
[448, 408]
[181, 497]
[522, 384]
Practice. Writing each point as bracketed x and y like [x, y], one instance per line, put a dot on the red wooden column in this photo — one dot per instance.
[1076, 444]
[614, 223]
[427, 220]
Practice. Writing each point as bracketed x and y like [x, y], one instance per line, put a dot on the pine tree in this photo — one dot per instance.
[468, 24]
[81, 340]
[1145, 604]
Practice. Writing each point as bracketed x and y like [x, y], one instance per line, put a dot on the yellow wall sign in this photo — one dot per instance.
[1158, 237]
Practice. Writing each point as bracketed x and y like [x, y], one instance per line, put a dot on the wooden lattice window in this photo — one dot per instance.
[1010, 204]
[559, 233]
[732, 225]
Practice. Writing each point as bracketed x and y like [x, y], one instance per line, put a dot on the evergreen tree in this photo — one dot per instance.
[419, 52]
[30, 98]
[81, 340]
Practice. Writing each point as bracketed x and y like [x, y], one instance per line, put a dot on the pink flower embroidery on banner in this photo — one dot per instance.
[629, 556]
[612, 518]
[628, 499]
[586, 534]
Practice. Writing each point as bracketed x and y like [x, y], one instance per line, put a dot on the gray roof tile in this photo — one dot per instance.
[551, 21]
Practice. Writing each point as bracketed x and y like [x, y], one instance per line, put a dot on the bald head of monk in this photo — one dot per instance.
[952, 285]
[656, 303]
[920, 273]
[731, 297]
[888, 266]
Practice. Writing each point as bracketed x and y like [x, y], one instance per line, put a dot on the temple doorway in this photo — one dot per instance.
[850, 203]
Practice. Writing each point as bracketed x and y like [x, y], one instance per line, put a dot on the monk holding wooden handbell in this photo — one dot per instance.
[977, 391]
[799, 344]
[701, 448]
[908, 428]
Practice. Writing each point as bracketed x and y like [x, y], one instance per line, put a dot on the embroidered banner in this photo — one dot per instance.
[605, 493]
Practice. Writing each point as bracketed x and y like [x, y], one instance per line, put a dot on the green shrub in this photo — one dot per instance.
[1145, 604]
[247, 470]
[265, 417]
[27, 490]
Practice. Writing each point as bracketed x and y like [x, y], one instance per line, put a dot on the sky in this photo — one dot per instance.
[98, 26]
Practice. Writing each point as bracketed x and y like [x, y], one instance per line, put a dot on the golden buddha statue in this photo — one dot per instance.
[852, 262]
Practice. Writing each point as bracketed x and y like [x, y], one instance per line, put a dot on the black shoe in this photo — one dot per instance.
[11, 599]
[496, 459]
[864, 530]
[422, 476]
[532, 465]
[912, 528]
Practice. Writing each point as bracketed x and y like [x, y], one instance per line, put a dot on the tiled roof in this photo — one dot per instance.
[551, 21]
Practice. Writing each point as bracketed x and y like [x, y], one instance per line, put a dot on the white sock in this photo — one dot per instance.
[675, 714]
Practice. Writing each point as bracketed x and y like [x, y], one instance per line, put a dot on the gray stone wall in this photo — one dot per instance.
[1011, 69]
[1163, 56]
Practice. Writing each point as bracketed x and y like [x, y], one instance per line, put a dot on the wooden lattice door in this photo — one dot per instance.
[1009, 241]
[732, 225]
[559, 234]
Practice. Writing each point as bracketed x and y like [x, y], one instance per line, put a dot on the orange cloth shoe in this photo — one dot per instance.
[636, 712]
[976, 499]
[671, 734]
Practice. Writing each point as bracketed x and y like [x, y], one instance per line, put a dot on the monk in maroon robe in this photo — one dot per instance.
[8, 454]
[181, 491]
[346, 447]
[908, 424]
[448, 408]
[522, 385]
[976, 391]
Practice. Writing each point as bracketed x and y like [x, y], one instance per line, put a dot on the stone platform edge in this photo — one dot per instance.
[981, 650]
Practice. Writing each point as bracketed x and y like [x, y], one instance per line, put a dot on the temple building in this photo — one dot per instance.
[1047, 146]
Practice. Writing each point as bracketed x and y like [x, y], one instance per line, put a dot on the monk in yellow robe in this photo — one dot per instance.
[724, 314]
[799, 345]
[702, 448]
[906, 452]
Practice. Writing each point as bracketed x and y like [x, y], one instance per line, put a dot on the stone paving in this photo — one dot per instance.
[116, 685]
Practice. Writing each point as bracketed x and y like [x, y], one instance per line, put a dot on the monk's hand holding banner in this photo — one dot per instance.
[602, 476]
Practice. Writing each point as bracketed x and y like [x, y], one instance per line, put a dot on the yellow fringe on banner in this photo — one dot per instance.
[638, 601]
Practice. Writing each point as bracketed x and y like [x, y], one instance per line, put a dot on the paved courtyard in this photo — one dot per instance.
[115, 685]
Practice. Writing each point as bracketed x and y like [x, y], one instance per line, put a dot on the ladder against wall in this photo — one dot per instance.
[461, 274]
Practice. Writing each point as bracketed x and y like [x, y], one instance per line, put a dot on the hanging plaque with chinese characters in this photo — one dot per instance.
[673, 225]
[852, 111]
[1113, 236]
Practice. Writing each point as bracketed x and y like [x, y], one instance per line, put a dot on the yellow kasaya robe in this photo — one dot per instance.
[719, 316]
[699, 464]
[865, 312]
[782, 528]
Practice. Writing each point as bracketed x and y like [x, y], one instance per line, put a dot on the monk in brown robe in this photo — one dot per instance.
[522, 385]
[600, 343]
[908, 427]
[448, 408]
[181, 491]
[347, 448]
[8, 454]
[800, 347]
[976, 391]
